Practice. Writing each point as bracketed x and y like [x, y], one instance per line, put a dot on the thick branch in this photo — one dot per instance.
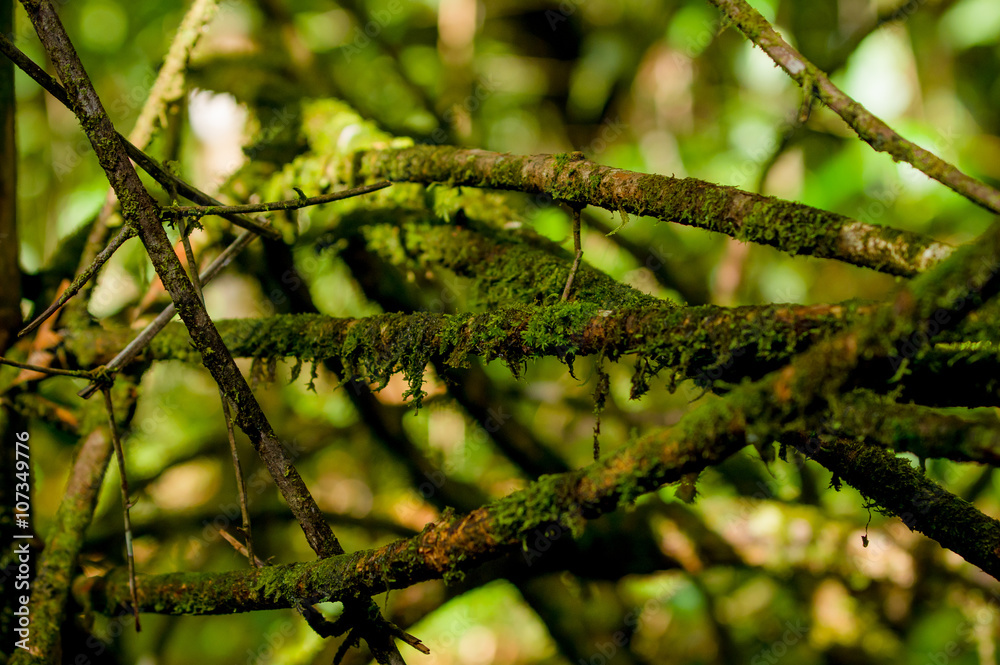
[928, 433]
[457, 542]
[903, 490]
[705, 343]
[790, 227]
[57, 563]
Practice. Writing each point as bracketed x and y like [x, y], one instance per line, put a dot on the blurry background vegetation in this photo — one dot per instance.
[653, 87]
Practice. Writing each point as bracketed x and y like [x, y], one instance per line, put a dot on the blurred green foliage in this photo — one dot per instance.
[652, 87]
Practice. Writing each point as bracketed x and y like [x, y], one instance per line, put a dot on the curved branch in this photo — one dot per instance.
[791, 227]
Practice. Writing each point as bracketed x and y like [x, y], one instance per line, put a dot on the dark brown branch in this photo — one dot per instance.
[141, 211]
[130, 350]
[77, 373]
[898, 488]
[273, 206]
[790, 227]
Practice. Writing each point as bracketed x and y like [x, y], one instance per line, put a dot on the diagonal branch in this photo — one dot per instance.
[456, 542]
[871, 129]
[141, 212]
[461, 542]
[273, 206]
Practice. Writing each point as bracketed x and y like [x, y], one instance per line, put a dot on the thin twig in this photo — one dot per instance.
[133, 348]
[166, 179]
[78, 373]
[578, 251]
[126, 504]
[126, 233]
[273, 206]
[241, 488]
[871, 129]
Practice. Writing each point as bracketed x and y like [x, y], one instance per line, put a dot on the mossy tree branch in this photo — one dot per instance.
[898, 488]
[869, 128]
[456, 542]
[790, 227]
[706, 343]
[461, 542]
[928, 433]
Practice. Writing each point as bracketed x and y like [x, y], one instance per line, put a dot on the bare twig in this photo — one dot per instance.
[126, 503]
[133, 348]
[126, 233]
[577, 251]
[78, 373]
[273, 206]
[241, 488]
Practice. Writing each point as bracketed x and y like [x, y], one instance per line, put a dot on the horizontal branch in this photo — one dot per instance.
[689, 339]
[272, 206]
[705, 343]
[791, 227]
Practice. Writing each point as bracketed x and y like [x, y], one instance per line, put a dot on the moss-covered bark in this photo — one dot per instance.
[869, 128]
[928, 433]
[790, 227]
[898, 488]
[703, 343]
[453, 544]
